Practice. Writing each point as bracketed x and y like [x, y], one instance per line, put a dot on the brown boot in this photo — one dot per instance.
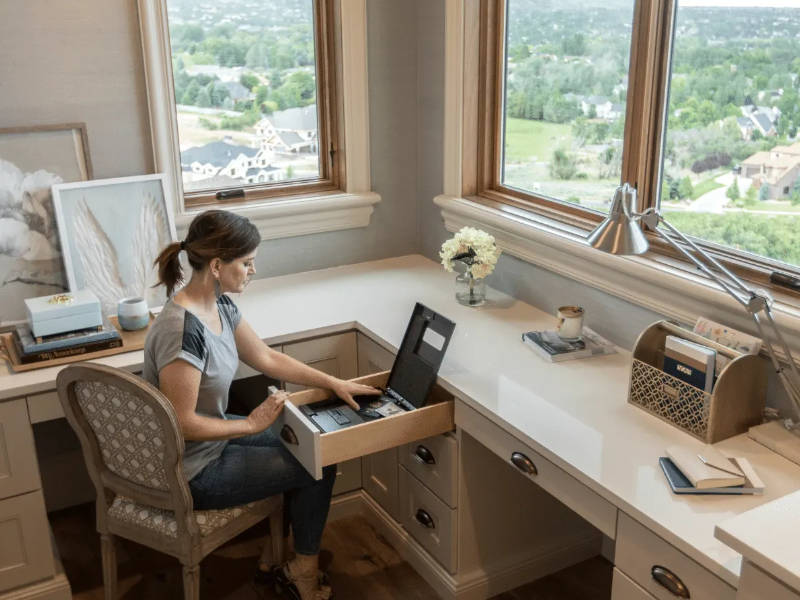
[300, 578]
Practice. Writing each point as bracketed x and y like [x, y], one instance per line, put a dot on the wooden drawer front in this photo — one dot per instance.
[333, 354]
[434, 461]
[372, 358]
[755, 584]
[622, 588]
[428, 520]
[379, 479]
[348, 477]
[315, 450]
[591, 506]
[639, 550]
[19, 472]
[44, 407]
[25, 552]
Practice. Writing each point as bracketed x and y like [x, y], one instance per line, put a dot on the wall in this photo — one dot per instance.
[81, 60]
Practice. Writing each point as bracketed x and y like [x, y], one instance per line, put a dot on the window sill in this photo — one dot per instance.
[560, 248]
[294, 216]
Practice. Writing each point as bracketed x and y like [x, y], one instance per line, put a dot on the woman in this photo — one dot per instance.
[192, 352]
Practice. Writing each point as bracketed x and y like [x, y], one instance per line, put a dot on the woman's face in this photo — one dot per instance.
[235, 275]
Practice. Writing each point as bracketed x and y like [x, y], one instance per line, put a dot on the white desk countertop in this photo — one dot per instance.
[575, 413]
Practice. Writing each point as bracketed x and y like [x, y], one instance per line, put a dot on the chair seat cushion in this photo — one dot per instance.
[163, 521]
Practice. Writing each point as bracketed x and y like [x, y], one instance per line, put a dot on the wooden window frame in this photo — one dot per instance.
[328, 111]
[343, 199]
[644, 137]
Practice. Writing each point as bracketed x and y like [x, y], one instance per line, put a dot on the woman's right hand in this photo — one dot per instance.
[265, 413]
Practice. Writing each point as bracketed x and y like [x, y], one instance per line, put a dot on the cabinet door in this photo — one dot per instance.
[348, 476]
[334, 355]
[25, 551]
[18, 468]
[623, 588]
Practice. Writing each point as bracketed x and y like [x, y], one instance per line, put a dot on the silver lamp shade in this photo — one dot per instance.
[620, 233]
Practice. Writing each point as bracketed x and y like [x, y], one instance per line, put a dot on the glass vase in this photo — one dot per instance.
[470, 291]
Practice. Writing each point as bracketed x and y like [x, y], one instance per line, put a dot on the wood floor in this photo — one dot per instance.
[363, 567]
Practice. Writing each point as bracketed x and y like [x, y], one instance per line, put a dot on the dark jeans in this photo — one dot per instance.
[257, 466]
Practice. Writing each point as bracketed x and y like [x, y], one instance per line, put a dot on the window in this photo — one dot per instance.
[695, 102]
[252, 96]
[250, 104]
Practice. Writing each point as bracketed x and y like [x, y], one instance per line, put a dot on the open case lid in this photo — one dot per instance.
[421, 353]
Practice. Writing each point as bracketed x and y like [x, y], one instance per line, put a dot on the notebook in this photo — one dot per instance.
[690, 362]
[706, 467]
[681, 485]
[413, 374]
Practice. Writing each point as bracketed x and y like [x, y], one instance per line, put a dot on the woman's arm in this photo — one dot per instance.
[180, 383]
[256, 354]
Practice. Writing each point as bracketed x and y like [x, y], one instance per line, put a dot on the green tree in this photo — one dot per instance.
[203, 98]
[190, 93]
[249, 81]
[563, 165]
[289, 172]
[733, 191]
[763, 192]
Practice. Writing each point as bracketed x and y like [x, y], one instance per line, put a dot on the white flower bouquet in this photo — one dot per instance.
[473, 247]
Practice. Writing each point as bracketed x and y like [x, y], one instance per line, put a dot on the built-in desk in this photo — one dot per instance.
[573, 416]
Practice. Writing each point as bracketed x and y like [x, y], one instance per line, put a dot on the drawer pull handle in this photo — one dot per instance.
[523, 463]
[288, 435]
[424, 455]
[425, 519]
[666, 578]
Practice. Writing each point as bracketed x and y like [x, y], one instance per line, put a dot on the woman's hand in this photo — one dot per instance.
[347, 389]
[265, 413]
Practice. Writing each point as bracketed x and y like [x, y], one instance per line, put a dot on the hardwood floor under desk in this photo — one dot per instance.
[364, 567]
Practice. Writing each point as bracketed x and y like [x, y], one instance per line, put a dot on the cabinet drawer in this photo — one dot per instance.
[755, 584]
[639, 552]
[18, 468]
[434, 461]
[428, 520]
[44, 407]
[25, 551]
[622, 588]
[379, 479]
[315, 450]
[591, 506]
[333, 354]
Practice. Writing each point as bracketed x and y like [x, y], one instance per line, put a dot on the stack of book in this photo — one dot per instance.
[550, 347]
[72, 343]
[708, 472]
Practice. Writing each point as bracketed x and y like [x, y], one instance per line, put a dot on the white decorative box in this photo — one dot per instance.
[59, 313]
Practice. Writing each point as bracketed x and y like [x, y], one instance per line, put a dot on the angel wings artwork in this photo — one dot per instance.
[113, 239]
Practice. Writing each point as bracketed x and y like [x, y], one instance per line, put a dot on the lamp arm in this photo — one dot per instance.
[753, 301]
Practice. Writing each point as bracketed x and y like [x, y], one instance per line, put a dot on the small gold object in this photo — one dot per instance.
[61, 299]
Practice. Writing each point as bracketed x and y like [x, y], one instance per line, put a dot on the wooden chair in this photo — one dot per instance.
[133, 449]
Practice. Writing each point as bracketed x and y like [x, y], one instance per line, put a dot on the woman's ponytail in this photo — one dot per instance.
[170, 272]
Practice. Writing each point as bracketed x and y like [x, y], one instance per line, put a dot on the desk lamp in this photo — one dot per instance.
[620, 233]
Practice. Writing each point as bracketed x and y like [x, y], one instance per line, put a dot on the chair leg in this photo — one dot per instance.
[191, 582]
[109, 558]
[273, 551]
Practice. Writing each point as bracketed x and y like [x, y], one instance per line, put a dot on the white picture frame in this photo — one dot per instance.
[111, 232]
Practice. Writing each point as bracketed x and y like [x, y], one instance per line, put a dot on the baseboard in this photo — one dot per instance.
[477, 584]
[345, 505]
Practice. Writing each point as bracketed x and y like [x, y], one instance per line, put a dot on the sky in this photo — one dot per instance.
[742, 3]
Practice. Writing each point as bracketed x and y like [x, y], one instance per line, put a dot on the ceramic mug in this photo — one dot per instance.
[132, 313]
[570, 322]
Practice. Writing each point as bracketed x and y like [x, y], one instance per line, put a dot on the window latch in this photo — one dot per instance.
[229, 194]
[785, 280]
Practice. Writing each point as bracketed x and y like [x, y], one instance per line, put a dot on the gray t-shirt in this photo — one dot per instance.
[179, 334]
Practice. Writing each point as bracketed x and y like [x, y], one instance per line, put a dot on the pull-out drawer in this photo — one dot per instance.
[18, 467]
[661, 569]
[755, 584]
[434, 461]
[588, 504]
[315, 450]
[429, 520]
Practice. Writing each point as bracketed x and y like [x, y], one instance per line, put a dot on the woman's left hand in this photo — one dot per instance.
[347, 389]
